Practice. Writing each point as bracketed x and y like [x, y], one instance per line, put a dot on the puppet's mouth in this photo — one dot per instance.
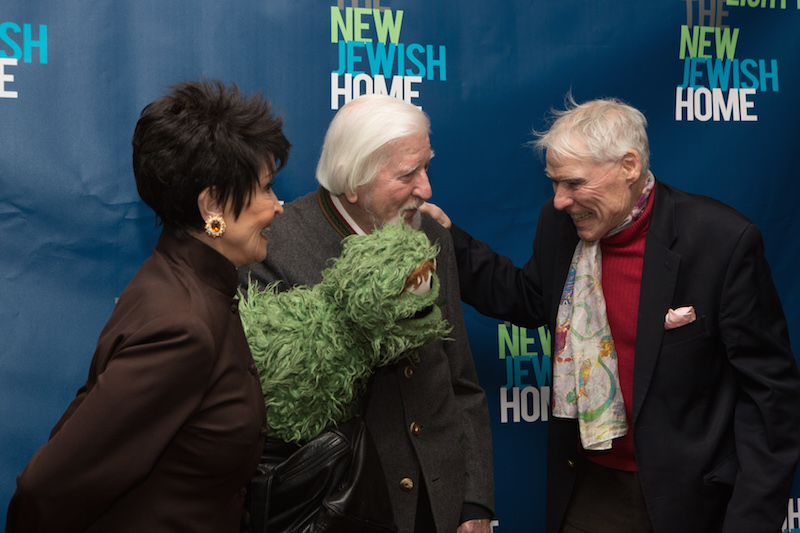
[420, 281]
[422, 313]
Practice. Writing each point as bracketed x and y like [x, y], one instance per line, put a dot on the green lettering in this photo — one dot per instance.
[360, 25]
[345, 25]
[526, 341]
[689, 41]
[504, 340]
[390, 24]
[544, 337]
[725, 45]
[704, 41]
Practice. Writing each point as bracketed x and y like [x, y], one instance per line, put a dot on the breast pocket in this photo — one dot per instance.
[690, 332]
[689, 358]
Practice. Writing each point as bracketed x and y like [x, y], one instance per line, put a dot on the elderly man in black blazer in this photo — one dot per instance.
[675, 394]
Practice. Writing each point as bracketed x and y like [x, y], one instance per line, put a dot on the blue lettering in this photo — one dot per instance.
[771, 75]
[379, 60]
[745, 63]
[352, 57]
[348, 57]
[730, 74]
[695, 71]
[517, 376]
[542, 370]
[24, 52]
[41, 43]
[719, 72]
[519, 373]
[441, 62]
[15, 48]
[410, 49]
[342, 59]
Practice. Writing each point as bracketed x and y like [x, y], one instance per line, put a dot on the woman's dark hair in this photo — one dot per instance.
[203, 134]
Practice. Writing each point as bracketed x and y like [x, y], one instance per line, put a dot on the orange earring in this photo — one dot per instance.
[215, 226]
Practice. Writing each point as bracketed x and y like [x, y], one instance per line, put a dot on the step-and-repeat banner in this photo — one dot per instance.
[717, 79]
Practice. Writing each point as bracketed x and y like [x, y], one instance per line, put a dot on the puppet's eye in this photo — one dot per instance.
[420, 281]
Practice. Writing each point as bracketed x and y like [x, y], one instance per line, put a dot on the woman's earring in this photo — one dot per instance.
[215, 226]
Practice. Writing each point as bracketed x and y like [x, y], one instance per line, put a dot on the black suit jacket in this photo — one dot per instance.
[716, 403]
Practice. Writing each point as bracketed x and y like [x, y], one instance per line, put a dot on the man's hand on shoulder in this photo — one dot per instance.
[435, 212]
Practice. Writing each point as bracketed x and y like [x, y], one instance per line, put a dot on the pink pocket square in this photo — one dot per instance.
[679, 317]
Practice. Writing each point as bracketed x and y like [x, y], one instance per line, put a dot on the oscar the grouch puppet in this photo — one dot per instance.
[315, 348]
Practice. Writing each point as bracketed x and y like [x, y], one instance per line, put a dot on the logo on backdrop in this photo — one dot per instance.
[372, 57]
[718, 84]
[26, 44]
[526, 355]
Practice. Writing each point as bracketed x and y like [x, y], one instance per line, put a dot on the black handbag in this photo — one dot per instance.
[334, 483]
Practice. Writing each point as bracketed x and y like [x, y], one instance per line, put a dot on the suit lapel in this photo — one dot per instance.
[659, 276]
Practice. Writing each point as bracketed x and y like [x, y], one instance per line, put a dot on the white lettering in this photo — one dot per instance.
[706, 104]
[530, 404]
[401, 87]
[792, 521]
[6, 77]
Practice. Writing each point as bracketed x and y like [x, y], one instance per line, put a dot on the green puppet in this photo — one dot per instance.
[315, 348]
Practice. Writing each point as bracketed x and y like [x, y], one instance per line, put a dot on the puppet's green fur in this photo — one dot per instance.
[315, 347]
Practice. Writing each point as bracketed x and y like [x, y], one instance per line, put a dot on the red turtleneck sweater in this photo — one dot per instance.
[623, 256]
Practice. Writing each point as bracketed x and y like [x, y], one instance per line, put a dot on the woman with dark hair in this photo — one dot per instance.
[168, 428]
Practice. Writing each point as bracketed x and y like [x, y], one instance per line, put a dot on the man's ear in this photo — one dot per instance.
[632, 164]
[351, 196]
[207, 204]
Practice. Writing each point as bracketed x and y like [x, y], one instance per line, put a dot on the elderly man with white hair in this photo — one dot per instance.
[675, 393]
[429, 419]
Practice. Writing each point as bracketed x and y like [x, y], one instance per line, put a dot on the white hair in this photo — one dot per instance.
[602, 130]
[351, 155]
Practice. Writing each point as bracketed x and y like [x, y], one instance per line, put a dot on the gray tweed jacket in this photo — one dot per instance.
[430, 422]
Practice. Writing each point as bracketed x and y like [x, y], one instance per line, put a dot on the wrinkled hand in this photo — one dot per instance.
[474, 526]
[439, 216]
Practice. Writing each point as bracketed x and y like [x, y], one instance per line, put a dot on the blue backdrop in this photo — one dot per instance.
[717, 79]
